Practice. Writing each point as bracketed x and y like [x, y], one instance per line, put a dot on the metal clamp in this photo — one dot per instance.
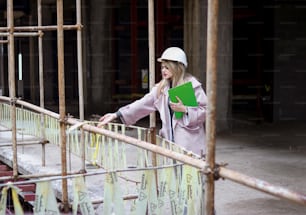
[13, 101]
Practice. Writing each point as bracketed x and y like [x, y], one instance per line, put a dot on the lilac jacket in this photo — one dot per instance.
[188, 132]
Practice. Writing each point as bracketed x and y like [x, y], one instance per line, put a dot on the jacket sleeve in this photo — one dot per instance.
[196, 115]
[138, 109]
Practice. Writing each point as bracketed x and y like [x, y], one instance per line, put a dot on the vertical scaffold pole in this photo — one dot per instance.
[151, 55]
[212, 42]
[151, 33]
[62, 108]
[41, 82]
[12, 84]
[80, 78]
[2, 41]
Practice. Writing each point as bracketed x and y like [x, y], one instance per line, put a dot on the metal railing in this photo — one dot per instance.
[104, 142]
[114, 148]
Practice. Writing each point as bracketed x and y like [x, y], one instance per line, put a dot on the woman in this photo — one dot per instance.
[187, 131]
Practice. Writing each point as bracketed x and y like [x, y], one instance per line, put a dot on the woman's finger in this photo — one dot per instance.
[179, 100]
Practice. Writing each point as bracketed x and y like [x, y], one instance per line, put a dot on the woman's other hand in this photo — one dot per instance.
[106, 119]
[179, 106]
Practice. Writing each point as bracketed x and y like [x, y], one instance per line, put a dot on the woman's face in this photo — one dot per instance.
[166, 72]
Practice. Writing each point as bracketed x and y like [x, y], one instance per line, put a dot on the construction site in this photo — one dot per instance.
[64, 64]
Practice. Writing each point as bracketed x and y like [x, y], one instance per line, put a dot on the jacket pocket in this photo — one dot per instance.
[192, 129]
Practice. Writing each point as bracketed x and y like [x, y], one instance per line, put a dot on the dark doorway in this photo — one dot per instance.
[252, 60]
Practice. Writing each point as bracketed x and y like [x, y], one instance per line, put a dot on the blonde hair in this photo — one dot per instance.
[178, 71]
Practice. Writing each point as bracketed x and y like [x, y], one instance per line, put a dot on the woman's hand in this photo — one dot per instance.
[106, 119]
[179, 106]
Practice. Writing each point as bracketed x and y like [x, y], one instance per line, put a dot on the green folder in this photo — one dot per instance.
[185, 92]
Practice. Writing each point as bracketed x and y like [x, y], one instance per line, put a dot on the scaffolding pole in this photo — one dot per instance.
[3, 41]
[1, 65]
[21, 34]
[80, 79]
[12, 84]
[212, 42]
[39, 28]
[151, 55]
[41, 82]
[62, 108]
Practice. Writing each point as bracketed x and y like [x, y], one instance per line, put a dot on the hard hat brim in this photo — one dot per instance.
[165, 59]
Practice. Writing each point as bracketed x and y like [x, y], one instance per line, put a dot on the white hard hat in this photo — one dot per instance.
[174, 54]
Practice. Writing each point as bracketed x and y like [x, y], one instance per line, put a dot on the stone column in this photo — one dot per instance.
[225, 65]
[195, 39]
[195, 26]
[99, 72]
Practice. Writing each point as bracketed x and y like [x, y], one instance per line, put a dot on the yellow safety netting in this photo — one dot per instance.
[14, 190]
[45, 201]
[177, 190]
[169, 186]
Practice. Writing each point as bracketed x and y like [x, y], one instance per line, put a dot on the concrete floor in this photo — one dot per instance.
[275, 153]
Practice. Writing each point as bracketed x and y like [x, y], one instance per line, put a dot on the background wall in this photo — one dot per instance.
[289, 62]
[261, 47]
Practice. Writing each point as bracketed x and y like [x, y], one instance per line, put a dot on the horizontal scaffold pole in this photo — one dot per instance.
[41, 28]
[220, 171]
[22, 34]
[261, 185]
